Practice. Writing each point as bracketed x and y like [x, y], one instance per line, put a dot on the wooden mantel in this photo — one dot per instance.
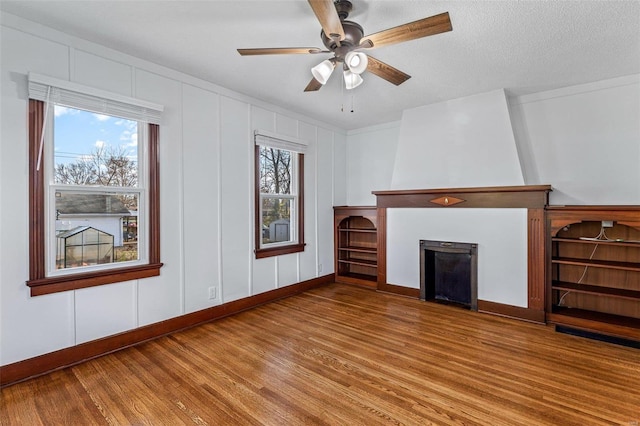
[534, 198]
[525, 196]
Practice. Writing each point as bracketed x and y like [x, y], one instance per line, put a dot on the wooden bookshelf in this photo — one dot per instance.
[356, 246]
[594, 277]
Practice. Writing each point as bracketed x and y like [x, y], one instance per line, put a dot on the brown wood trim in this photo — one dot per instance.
[354, 210]
[399, 290]
[343, 279]
[262, 253]
[36, 192]
[594, 325]
[257, 234]
[38, 281]
[536, 259]
[510, 311]
[301, 200]
[278, 251]
[561, 216]
[382, 249]
[91, 279]
[154, 194]
[525, 196]
[37, 366]
[474, 189]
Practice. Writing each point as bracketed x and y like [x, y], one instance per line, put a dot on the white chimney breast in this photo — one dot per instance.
[465, 142]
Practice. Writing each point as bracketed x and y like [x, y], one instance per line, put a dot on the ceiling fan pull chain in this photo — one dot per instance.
[342, 93]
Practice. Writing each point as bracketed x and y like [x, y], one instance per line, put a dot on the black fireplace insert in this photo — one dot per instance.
[449, 272]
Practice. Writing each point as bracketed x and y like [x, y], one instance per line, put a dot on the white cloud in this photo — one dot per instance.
[62, 110]
[100, 144]
[101, 117]
[130, 135]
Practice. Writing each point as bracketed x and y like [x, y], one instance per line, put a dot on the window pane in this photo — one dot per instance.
[94, 149]
[276, 220]
[275, 171]
[95, 228]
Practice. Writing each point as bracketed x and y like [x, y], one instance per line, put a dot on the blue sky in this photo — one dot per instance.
[78, 133]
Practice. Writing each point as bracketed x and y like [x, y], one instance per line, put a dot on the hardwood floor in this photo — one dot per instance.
[342, 355]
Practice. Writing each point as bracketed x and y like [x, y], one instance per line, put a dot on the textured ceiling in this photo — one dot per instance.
[521, 46]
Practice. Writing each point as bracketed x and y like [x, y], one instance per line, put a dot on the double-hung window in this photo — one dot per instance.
[94, 186]
[279, 194]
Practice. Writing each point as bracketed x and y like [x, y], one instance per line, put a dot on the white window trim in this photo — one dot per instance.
[50, 189]
[68, 93]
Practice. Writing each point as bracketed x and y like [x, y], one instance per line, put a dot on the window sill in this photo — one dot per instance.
[90, 279]
[278, 251]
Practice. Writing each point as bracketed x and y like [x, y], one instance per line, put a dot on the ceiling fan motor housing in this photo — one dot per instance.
[353, 33]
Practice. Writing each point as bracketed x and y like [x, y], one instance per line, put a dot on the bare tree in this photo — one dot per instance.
[81, 172]
[105, 166]
[275, 171]
[275, 178]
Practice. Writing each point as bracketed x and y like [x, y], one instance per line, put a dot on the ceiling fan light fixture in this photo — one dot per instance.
[352, 80]
[323, 70]
[356, 62]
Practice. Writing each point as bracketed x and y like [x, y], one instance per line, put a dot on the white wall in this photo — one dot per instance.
[206, 175]
[371, 153]
[584, 140]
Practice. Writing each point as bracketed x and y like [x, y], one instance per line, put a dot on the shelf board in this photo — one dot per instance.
[605, 242]
[609, 264]
[371, 250]
[365, 230]
[353, 278]
[599, 321]
[361, 262]
[597, 290]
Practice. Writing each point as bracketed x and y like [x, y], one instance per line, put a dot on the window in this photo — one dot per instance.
[279, 200]
[94, 187]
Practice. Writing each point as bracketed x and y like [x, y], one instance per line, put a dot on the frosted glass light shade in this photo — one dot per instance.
[351, 80]
[322, 71]
[356, 61]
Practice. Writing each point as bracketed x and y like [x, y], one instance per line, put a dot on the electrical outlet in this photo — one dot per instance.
[320, 267]
[212, 292]
[607, 224]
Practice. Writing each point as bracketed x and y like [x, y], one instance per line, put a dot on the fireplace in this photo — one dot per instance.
[449, 273]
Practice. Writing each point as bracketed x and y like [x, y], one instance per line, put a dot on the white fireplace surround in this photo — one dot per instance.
[501, 235]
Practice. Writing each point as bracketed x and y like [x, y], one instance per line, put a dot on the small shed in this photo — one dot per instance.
[279, 230]
[83, 246]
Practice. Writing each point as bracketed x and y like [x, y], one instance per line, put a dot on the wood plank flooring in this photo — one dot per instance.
[342, 355]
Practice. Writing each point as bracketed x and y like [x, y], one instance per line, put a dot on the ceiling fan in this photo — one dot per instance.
[345, 39]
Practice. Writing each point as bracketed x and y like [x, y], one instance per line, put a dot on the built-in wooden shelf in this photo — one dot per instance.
[372, 250]
[594, 276]
[611, 324]
[619, 243]
[362, 262]
[596, 289]
[356, 245]
[610, 264]
[365, 230]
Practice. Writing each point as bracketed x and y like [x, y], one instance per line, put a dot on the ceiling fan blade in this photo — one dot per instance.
[417, 29]
[386, 71]
[313, 86]
[280, 51]
[328, 17]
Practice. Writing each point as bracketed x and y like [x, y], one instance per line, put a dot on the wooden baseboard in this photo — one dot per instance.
[511, 311]
[398, 289]
[46, 363]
